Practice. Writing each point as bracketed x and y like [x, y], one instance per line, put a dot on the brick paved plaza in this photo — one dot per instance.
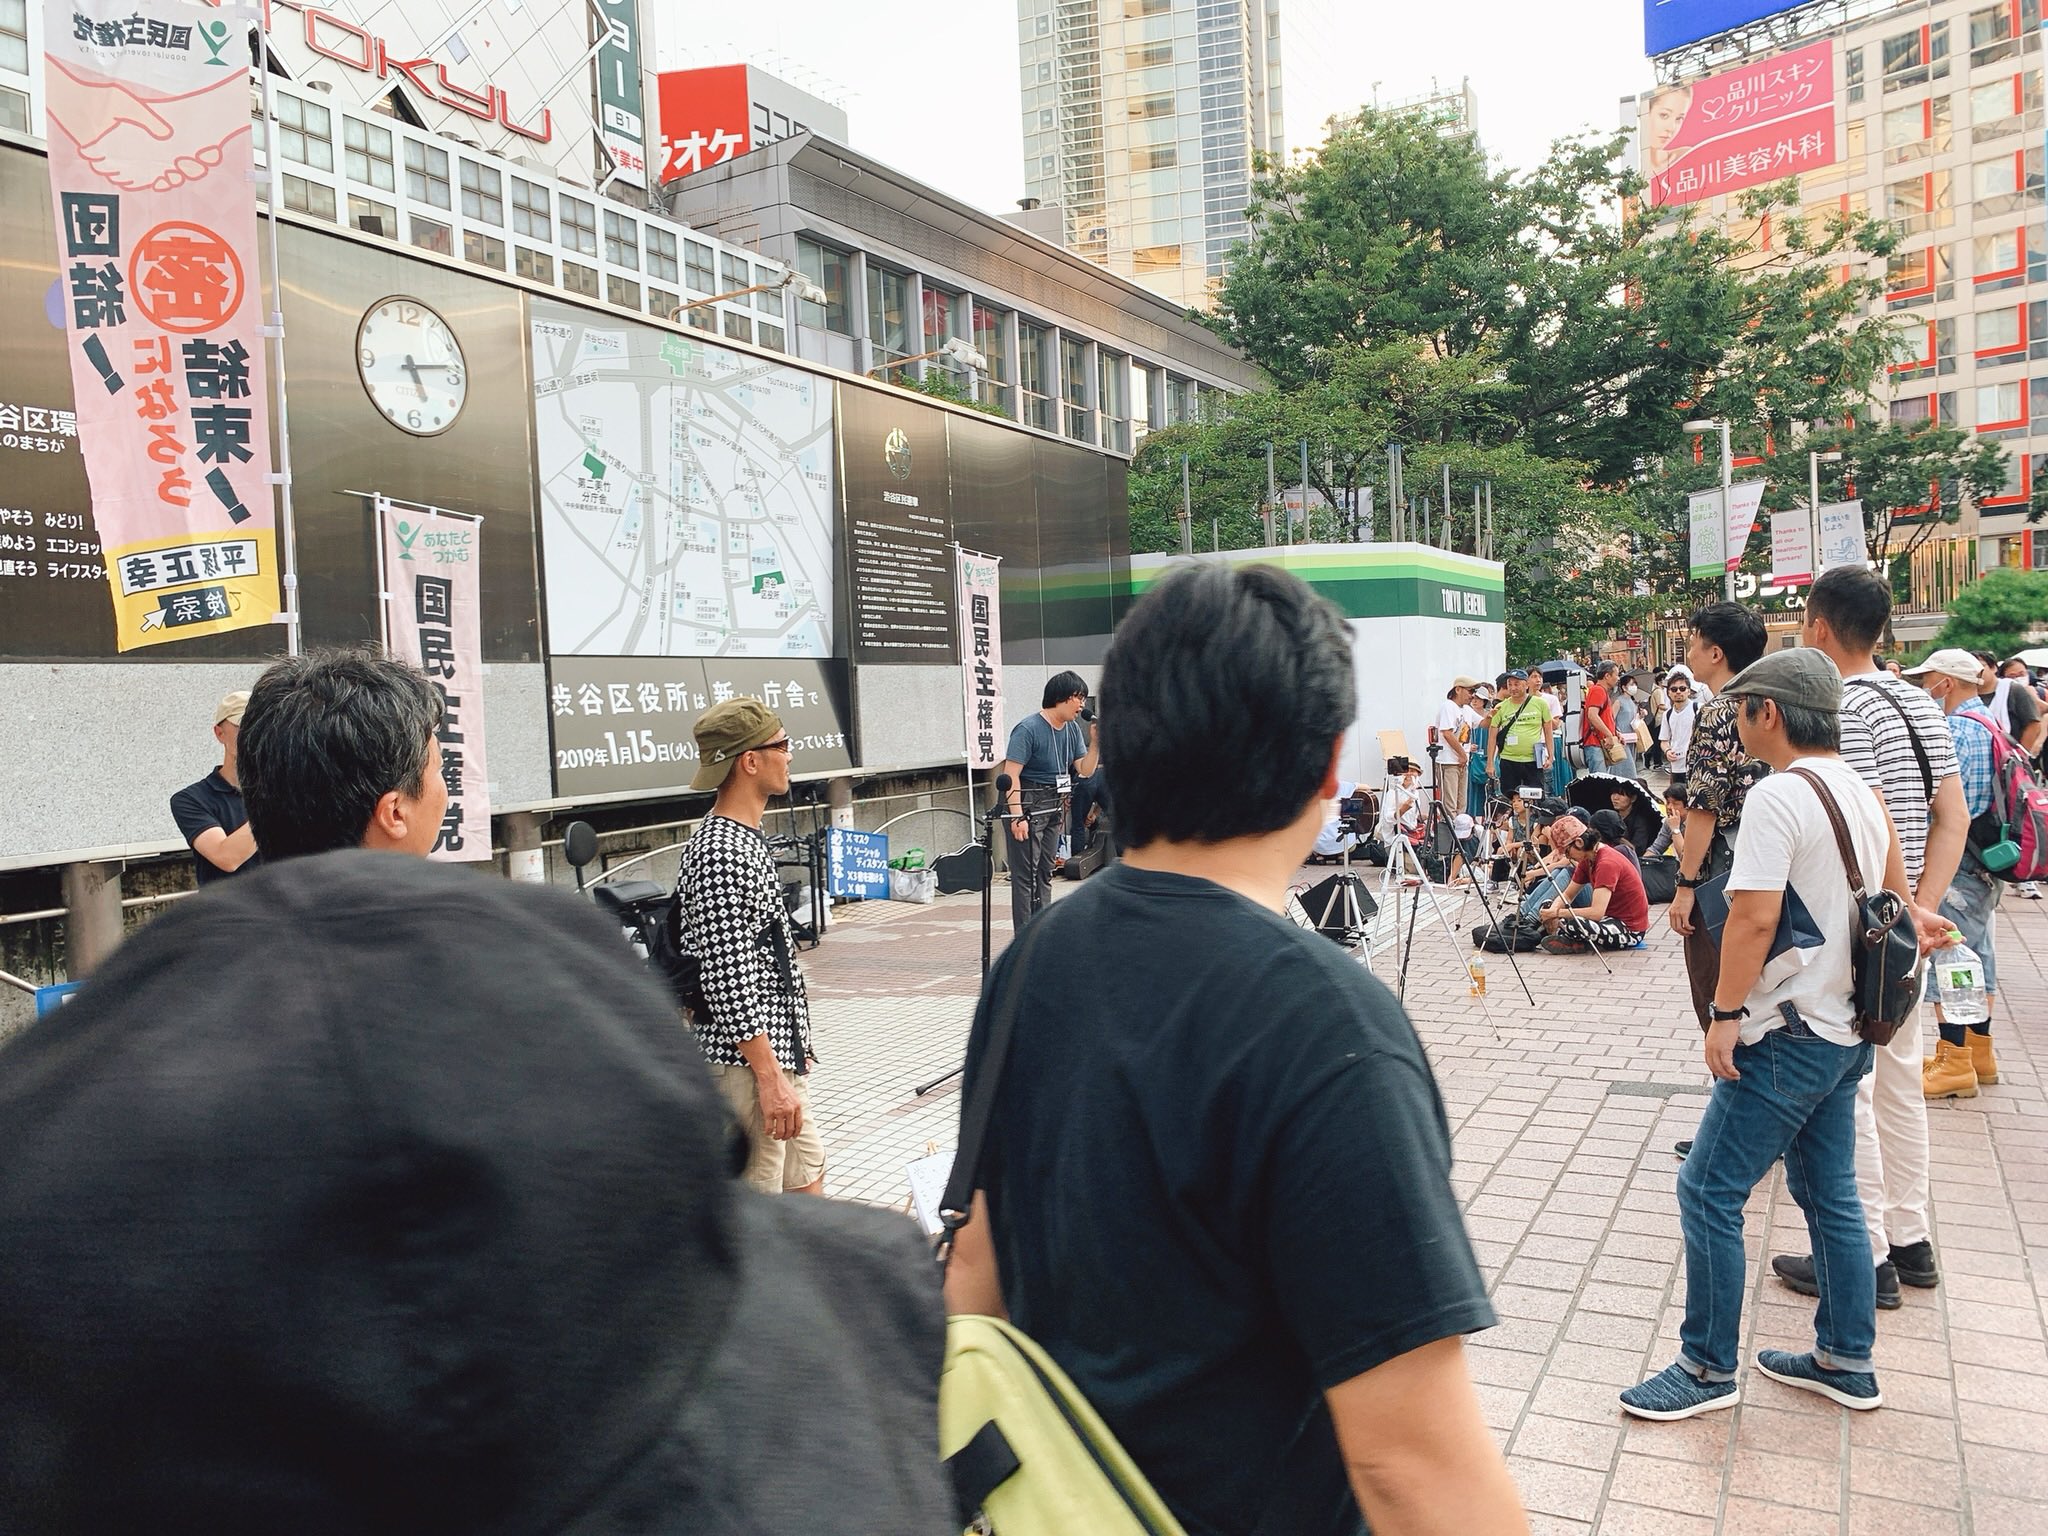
[1564, 1115]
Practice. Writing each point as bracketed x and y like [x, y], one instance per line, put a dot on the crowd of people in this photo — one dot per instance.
[362, 1193]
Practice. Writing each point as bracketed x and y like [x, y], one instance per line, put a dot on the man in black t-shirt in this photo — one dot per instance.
[1216, 1181]
[210, 814]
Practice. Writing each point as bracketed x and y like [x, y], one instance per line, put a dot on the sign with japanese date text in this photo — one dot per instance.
[150, 161]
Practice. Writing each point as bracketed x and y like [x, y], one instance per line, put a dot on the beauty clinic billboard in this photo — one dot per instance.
[1742, 128]
[1669, 24]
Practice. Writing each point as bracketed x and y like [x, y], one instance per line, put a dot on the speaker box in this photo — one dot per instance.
[1325, 905]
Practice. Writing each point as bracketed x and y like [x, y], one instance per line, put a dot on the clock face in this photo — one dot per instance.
[411, 366]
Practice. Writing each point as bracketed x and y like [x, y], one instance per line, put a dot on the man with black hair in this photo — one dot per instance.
[1894, 737]
[1725, 639]
[1597, 737]
[1047, 752]
[1523, 725]
[341, 749]
[1215, 1185]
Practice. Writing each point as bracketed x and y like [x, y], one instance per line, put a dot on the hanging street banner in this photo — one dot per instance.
[981, 656]
[1791, 548]
[1709, 535]
[432, 586]
[620, 123]
[1743, 502]
[1841, 535]
[150, 161]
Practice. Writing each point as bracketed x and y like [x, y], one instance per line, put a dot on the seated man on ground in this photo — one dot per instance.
[1617, 911]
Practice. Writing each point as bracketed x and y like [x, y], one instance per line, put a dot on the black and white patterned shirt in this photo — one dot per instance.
[1876, 743]
[734, 920]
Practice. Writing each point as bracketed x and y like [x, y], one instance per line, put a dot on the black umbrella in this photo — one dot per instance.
[1593, 791]
[1563, 666]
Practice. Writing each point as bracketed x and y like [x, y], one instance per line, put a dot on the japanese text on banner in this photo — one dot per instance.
[433, 575]
[981, 656]
[150, 161]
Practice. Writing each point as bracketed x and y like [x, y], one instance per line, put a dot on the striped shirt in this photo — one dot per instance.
[1878, 743]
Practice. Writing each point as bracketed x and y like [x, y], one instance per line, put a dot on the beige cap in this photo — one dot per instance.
[1462, 681]
[727, 730]
[1950, 662]
[229, 710]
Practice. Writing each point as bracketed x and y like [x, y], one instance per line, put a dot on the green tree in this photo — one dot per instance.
[1913, 478]
[2001, 612]
[938, 384]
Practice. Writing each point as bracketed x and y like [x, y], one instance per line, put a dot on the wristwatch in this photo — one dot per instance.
[1690, 882]
[1723, 1015]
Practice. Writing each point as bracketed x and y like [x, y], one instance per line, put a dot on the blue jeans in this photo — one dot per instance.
[1549, 888]
[1596, 758]
[1796, 1099]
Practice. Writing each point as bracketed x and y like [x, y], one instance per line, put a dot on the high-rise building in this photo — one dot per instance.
[1929, 116]
[1141, 121]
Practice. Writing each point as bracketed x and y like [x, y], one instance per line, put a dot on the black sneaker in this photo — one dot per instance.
[1915, 1264]
[1797, 1273]
[1683, 1148]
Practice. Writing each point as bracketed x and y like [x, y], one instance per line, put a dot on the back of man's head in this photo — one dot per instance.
[1223, 696]
[325, 737]
[1853, 602]
[1739, 633]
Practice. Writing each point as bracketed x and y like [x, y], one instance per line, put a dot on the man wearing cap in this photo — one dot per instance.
[210, 814]
[1785, 1057]
[757, 1033]
[1962, 1060]
[1522, 724]
[1455, 718]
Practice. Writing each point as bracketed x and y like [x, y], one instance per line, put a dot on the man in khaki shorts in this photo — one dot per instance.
[757, 1032]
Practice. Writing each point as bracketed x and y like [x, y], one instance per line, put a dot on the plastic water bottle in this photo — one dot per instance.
[1479, 976]
[1959, 976]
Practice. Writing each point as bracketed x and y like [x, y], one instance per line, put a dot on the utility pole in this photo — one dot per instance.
[1272, 495]
[1187, 510]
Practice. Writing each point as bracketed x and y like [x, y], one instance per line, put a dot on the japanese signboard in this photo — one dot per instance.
[623, 724]
[1768, 119]
[857, 864]
[981, 656]
[150, 160]
[1669, 24]
[432, 586]
[618, 93]
[706, 118]
[897, 485]
[1841, 534]
[1791, 548]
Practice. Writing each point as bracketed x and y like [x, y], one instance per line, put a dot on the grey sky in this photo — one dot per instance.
[931, 87]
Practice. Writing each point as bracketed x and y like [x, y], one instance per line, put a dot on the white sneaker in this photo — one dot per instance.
[2028, 889]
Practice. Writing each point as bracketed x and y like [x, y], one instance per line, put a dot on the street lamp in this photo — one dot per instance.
[956, 350]
[807, 292]
[1813, 464]
[1695, 429]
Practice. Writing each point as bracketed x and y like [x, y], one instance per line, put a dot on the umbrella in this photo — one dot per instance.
[2037, 657]
[1591, 791]
[1562, 664]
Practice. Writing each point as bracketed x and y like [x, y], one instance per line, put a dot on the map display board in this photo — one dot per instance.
[688, 503]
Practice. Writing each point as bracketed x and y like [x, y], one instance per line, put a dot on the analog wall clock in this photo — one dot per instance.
[411, 366]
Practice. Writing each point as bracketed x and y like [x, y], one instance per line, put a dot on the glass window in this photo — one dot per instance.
[372, 217]
[768, 335]
[483, 250]
[367, 154]
[309, 197]
[1905, 125]
[14, 35]
[537, 265]
[830, 269]
[1114, 391]
[579, 230]
[732, 272]
[661, 256]
[991, 340]
[1154, 157]
[531, 215]
[703, 318]
[1147, 55]
[739, 326]
[1852, 73]
[1995, 253]
[426, 175]
[619, 291]
[483, 194]
[1158, 104]
[1991, 34]
[938, 317]
[1074, 388]
[577, 278]
[622, 244]
[1911, 409]
[1998, 404]
[305, 131]
[663, 303]
[1034, 373]
[697, 270]
[888, 313]
[432, 235]
[1995, 177]
[1994, 101]
[13, 110]
[1998, 328]
[769, 299]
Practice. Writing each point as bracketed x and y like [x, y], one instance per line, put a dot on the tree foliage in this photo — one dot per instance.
[938, 384]
[2001, 612]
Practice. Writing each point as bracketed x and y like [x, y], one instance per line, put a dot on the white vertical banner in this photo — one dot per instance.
[1743, 502]
[429, 566]
[1841, 535]
[1791, 548]
[981, 654]
[1709, 535]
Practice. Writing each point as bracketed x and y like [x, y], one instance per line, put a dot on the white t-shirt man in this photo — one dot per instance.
[1450, 718]
[1787, 841]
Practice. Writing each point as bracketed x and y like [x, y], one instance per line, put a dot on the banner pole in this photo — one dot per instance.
[273, 331]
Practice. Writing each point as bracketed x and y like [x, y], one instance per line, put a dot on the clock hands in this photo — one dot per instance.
[413, 368]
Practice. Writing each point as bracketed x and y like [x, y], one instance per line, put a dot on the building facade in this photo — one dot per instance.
[1939, 116]
[1071, 350]
[1142, 119]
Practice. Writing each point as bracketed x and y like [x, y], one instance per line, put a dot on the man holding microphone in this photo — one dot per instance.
[1047, 751]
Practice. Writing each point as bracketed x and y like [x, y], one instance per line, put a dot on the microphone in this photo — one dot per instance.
[1002, 784]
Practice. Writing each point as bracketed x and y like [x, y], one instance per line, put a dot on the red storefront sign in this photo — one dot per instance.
[706, 118]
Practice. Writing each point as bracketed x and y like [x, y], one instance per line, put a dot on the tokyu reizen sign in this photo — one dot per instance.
[356, 47]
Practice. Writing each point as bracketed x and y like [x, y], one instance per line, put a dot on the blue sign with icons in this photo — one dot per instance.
[1669, 24]
[50, 999]
[857, 864]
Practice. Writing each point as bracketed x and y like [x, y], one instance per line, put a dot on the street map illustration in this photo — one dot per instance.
[686, 494]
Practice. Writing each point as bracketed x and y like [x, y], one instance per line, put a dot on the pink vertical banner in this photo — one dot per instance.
[432, 596]
[150, 162]
[981, 655]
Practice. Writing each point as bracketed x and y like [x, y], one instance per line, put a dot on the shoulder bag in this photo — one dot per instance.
[1884, 949]
[1913, 736]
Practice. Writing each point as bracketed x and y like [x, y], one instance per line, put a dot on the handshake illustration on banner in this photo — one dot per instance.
[139, 150]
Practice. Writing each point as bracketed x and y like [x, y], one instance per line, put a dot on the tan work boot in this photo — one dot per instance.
[1981, 1060]
[1950, 1076]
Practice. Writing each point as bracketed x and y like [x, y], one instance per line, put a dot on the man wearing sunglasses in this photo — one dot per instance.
[756, 1032]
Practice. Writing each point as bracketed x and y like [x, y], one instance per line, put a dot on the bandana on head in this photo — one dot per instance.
[1565, 833]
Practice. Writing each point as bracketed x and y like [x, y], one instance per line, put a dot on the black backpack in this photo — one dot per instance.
[651, 916]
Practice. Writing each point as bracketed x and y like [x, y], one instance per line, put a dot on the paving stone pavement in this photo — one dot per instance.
[1563, 1115]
